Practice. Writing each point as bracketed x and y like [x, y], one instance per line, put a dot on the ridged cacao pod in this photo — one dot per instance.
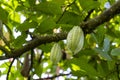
[75, 39]
[56, 53]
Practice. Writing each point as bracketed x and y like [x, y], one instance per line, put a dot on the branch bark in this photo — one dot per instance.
[91, 24]
[87, 27]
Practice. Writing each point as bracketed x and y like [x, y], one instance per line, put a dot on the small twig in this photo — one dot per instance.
[3, 57]
[26, 66]
[7, 78]
[20, 62]
[88, 15]
[32, 55]
[117, 70]
[31, 64]
[65, 11]
[39, 61]
[53, 77]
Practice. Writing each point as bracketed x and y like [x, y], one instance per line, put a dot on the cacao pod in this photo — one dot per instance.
[75, 39]
[56, 53]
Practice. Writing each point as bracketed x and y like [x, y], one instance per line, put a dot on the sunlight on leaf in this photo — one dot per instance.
[75, 67]
[15, 17]
[115, 52]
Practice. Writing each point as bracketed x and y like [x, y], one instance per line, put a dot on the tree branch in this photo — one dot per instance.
[38, 41]
[4, 57]
[88, 15]
[117, 70]
[91, 24]
[4, 50]
[87, 26]
[7, 78]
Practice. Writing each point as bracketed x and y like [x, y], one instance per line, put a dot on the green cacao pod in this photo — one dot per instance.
[56, 53]
[75, 39]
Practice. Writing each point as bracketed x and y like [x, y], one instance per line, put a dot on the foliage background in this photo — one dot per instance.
[45, 22]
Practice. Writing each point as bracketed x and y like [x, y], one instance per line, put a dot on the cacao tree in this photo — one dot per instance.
[59, 39]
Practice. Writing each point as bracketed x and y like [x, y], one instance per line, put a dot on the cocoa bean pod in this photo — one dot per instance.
[56, 53]
[75, 39]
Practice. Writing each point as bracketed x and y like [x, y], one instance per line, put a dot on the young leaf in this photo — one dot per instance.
[15, 17]
[26, 25]
[115, 52]
[46, 47]
[31, 2]
[19, 40]
[38, 69]
[86, 5]
[99, 35]
[71, 18]
[82, 66]
[106, 45]
[103, 54]
[50, 8]
[46, 26]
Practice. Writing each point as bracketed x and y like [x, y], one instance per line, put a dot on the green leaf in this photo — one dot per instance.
[81, 66]
[106, 45]
[71, 18]
[89, 4]
[112, 1]
[61, 2]
[20, 8]
[113, 33]
[87, 52]
[26, 25]
[115, 52]
[103, 54]
[38, 69]
[15, 17]
[104, 66]
[65, 27]
[46, 25]
[3, 15]
[13, 73]
[111, 64]
[50, 8]
[93, 37]
[31, 2]
[99, 35]
[19, 41]
[100, 70]
[75, 8]
[113, 77]
[46, 47]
